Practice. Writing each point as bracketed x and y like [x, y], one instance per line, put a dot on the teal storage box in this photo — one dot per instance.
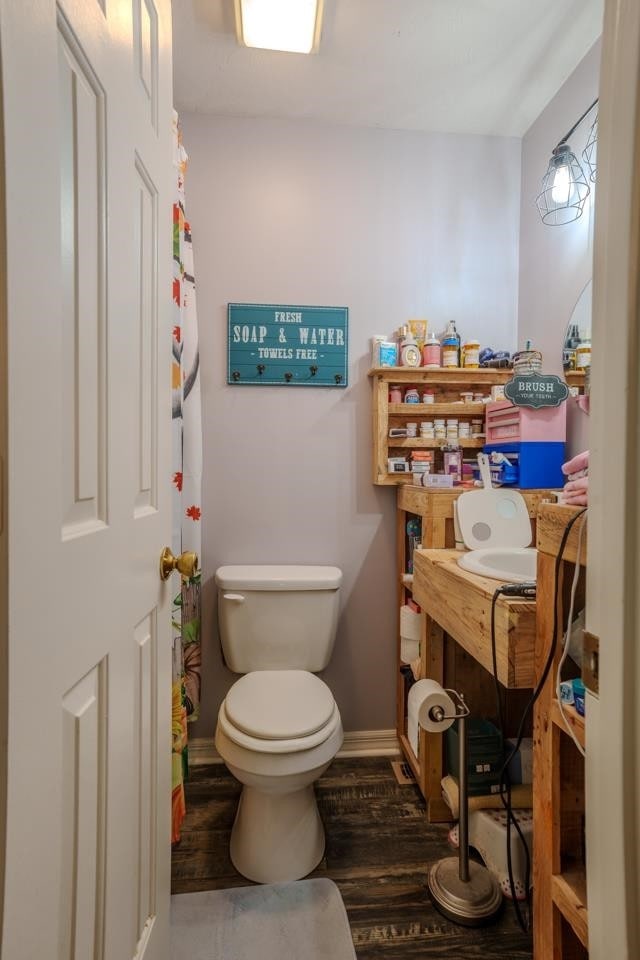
[539, 464]
[485, 756]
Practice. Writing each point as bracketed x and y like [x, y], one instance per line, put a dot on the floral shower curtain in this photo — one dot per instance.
[187, 474]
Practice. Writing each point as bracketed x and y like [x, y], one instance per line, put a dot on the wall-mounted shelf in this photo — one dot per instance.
[575, 378]
[448, 383]
[417, 443]
[436, 409]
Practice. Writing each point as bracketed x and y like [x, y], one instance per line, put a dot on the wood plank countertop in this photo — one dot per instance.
[460, 602]
[552, 523]
[439, 503]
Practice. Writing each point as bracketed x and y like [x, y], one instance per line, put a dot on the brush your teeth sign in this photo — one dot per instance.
[536, 390]
[285, 345]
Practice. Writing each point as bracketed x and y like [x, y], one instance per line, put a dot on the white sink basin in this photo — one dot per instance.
[509, 564]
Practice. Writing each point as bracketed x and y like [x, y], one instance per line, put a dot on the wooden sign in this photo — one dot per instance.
[536, 390]
[284, 345]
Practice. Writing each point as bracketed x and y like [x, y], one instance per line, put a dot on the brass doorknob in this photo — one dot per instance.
[186, 564]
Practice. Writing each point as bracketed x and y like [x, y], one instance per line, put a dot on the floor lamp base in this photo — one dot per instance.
[470, 903]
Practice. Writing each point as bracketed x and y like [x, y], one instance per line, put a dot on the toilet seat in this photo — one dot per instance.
[279, 704]
[279, 711]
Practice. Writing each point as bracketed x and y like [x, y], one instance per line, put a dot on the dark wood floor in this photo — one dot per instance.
[378, 847]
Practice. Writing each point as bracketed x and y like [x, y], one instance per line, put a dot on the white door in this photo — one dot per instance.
[86, 92]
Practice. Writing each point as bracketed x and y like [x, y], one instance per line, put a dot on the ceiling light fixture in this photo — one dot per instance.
[565, 187]
[289, 25]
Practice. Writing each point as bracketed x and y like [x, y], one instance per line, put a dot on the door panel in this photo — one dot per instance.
[83, 281]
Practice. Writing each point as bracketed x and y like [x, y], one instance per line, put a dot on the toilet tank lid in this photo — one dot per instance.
[278, 577]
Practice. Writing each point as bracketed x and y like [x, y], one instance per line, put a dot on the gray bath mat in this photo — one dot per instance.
[302, 920]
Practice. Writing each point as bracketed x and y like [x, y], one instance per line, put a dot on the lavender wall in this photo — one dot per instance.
[556, 262]
[393, 225]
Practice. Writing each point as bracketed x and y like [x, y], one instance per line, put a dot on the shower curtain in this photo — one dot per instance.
[186, 479]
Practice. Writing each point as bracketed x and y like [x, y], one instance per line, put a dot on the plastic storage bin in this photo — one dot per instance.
[539, 464]
[507, 423]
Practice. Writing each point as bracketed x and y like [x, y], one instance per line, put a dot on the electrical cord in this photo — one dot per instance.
[524, 591]
[567, 640]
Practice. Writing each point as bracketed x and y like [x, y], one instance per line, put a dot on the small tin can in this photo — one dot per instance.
[395, 394]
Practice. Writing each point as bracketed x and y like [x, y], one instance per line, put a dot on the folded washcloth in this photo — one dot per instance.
[579, 500]
[521, 796]
[572, 487]
[578, 463]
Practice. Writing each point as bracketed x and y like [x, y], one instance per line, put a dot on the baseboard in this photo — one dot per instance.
[357, 743]
[370, 743]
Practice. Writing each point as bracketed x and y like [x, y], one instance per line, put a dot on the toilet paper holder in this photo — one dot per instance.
[437, 714]
[463, 891]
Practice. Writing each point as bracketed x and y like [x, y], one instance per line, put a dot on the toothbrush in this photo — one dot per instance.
[485, 471]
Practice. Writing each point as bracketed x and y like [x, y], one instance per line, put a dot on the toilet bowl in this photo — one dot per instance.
[277, 732]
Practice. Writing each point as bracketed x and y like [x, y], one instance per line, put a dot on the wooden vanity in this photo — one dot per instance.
[460, 602]
[455, 636]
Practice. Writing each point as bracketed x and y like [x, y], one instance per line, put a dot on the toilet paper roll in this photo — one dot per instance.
[423, 697]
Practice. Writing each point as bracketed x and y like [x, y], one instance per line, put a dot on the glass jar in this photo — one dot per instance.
[526, 362]
[450, 352]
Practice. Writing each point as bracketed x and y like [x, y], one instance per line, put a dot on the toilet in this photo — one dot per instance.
[279, 727]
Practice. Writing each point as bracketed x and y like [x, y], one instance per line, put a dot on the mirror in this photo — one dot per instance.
[576, 352]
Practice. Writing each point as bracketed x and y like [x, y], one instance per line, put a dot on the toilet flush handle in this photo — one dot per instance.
[234, 596]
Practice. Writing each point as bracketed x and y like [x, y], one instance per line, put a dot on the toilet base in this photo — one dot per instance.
[276, 836]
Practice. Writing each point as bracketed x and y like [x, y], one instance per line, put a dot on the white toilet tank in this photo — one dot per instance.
[277, 617]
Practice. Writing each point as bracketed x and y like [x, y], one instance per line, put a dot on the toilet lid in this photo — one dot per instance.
[279, 704]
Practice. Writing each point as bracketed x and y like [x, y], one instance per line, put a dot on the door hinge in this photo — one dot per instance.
[591, 662]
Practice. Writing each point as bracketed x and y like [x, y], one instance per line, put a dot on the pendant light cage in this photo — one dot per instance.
[589, 152]
[565, 188]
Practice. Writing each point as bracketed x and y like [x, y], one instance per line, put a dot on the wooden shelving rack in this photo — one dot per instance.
[561, 928]
[447, 384]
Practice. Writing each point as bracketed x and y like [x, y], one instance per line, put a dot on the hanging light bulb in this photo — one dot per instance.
[589, 152]
[561, 189]
[564, 188]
